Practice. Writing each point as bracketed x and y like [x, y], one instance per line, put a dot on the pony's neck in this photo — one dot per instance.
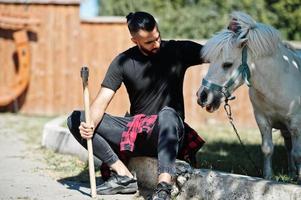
[263, 73]
[271, 74]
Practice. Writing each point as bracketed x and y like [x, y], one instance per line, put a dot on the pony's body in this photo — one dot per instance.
[275, 80]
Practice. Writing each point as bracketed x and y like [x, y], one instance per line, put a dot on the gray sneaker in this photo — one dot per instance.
[162, 192]
[118, 184]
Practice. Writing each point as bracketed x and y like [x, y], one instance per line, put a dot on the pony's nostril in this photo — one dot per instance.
[203, 96]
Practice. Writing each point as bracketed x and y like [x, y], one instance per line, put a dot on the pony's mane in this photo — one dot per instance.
[262, 39]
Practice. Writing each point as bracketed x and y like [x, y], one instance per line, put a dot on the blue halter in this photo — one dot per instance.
[242, 70]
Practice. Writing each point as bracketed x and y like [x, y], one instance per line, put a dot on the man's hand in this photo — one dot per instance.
[86, 130]
[97, 110]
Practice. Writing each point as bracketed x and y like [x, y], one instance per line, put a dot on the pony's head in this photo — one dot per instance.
[229, 53]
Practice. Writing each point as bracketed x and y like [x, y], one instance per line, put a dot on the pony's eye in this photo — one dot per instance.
[227, 65]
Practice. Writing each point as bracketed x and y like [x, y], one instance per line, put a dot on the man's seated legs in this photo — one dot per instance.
[163, 143]
[171, 133]
[106, 138]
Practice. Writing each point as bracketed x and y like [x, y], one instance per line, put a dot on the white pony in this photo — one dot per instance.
[253, 53]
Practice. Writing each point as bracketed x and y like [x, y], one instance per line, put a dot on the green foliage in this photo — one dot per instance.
[197, 19]
[288, 18]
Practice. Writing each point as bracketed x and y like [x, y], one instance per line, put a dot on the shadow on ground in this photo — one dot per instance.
[232, 158]
[81, 183]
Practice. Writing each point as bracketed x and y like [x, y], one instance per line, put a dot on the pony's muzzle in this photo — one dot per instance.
[202, 95]
[209, 99]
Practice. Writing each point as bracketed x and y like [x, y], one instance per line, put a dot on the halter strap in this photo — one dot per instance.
[242, 70]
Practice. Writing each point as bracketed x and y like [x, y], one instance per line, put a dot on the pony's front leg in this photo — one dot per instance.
[267, 145]
[296, 151]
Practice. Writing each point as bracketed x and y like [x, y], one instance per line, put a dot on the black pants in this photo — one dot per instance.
[163, 143]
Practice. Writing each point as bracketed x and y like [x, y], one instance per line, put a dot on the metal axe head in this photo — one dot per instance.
[84, 73]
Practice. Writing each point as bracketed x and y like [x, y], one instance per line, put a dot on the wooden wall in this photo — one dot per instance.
[62, 44]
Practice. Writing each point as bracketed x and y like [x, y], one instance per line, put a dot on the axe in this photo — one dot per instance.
[84, 75]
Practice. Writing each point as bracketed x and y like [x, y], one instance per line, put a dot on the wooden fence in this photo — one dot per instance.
[61, 43]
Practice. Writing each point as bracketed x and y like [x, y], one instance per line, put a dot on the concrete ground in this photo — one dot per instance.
[22, 171]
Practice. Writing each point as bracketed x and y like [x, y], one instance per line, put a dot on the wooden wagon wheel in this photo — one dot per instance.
[20, 24]
[20, 83]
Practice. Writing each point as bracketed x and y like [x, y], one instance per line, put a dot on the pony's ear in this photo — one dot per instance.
[241, 42]
[234, 25]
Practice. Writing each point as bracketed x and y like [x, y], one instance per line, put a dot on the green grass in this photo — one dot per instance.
[224, 152]
[64, 124]
[66, 167]
[29, 126]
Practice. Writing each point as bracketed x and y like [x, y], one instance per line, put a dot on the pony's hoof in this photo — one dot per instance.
[268, 177]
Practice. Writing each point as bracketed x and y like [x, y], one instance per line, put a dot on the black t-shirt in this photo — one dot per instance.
[153, 82]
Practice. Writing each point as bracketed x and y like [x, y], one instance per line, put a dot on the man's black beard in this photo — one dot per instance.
[149, 53]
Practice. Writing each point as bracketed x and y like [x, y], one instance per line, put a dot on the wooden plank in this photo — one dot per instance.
[36, 92]
[16, 23]
[75, 59]
[59, 2]
[57, 55]
[48, 96]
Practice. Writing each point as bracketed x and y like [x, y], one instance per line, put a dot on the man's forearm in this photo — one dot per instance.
[100, 104]
[96, 114]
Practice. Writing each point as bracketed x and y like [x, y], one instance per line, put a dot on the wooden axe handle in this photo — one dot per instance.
[85, 76]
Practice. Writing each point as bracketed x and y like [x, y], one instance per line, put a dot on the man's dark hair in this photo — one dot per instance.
[140, 21]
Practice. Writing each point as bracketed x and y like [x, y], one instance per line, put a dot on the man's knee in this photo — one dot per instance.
[74, 120]
[169, 115]
[169, 118]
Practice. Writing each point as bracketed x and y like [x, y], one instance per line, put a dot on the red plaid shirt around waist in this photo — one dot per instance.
[140, 123]
[145, 123]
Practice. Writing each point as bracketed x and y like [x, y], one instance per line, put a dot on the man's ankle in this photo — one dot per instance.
[164, 177]
[121, 169]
